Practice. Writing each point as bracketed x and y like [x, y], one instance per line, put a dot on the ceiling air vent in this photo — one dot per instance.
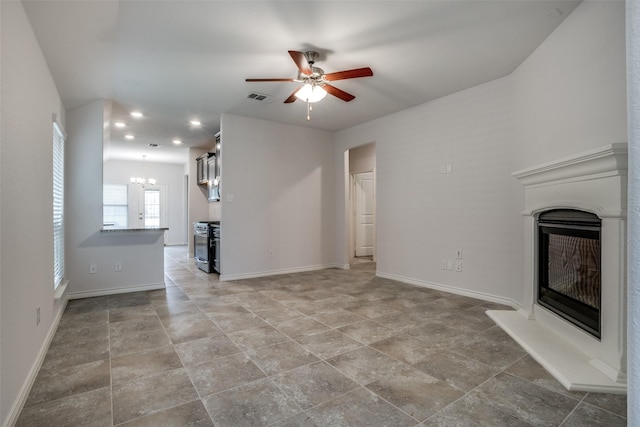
[260, 97]
[153, 145]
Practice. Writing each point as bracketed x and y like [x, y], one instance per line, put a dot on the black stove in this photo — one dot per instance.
[206, 242]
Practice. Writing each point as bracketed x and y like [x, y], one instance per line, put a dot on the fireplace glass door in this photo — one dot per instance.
[569, 267]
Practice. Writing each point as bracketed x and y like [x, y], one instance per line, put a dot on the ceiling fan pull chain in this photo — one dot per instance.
[308, 110]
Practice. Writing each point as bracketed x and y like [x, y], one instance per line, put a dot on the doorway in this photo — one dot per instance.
[361, 206]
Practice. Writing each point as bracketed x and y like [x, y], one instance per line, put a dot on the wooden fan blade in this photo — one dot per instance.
[291, 97]
[338, 93]
[268, 80]
[301, 62]
[349, 74]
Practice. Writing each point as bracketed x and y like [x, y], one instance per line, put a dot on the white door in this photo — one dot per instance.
[147, 205]
[364, 213]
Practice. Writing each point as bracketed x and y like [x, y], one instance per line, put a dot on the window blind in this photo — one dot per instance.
[58, 205]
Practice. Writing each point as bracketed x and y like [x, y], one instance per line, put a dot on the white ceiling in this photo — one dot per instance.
[177, 60]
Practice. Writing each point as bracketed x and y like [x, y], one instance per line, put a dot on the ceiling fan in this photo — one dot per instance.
[315, 81]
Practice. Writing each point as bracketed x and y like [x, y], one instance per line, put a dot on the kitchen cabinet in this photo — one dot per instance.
[208, 172]
[202, 168]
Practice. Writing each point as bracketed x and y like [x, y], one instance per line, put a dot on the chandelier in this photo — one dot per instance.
[141, 180]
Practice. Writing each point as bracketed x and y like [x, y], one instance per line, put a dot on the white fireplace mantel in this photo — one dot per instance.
[594, 181]
[606, 161]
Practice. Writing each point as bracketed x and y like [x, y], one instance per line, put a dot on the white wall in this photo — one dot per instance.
[141, 254]
[29, 98]
[281, 179]
[633, 255]
[169, 174]
[567, 97]
[571, 92]
[423, 216]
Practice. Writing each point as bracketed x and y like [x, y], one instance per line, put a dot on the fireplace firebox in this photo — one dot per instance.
[569, 276]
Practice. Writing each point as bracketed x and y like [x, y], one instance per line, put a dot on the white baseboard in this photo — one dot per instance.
[230, 277]
[14, 412]
[445, 288]
[114, 291]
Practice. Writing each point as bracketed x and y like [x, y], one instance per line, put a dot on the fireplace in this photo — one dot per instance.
[571, 313]
[569, 266]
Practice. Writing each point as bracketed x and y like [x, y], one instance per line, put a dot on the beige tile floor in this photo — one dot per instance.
[324, 348]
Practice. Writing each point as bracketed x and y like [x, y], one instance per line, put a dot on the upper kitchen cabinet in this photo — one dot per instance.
[208, 172]
[203, 168]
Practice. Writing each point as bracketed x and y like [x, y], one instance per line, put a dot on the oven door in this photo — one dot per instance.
[201, 247]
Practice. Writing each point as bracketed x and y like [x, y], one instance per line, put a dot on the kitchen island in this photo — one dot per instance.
[118, 260]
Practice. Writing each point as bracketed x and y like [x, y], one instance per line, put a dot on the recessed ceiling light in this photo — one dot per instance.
[129, 136]
[195, 122]
[136, 114]
[177, 141]
[119, 124]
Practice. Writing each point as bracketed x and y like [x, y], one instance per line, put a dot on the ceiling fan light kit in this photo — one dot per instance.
[311, 93]
[315, 81]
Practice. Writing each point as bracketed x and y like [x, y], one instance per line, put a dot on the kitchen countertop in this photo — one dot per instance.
[115, 229]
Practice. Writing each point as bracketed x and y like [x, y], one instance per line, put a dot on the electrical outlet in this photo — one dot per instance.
[37, 316]
[459, 253]
[443, 168]
[443, 264]
[458, 265]
[93, 268]
[118, 266]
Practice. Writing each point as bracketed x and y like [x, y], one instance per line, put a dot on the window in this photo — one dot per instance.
[114, 205]
[58, 205]
[152, 208]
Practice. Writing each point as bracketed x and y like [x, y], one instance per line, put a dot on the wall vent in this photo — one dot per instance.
[260, 97]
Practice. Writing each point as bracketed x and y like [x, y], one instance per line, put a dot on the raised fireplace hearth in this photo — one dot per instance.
[573, 314]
